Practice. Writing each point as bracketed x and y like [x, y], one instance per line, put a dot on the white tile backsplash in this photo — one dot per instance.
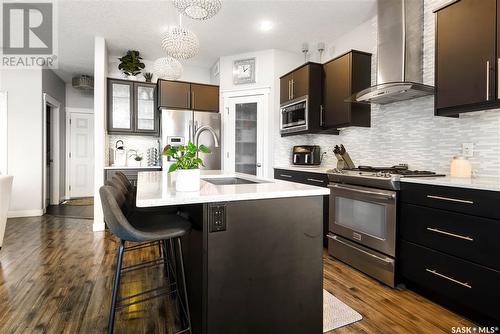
[139, 143]
[408, 131]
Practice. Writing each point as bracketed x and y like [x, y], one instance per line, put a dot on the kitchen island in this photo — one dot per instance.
[254, 256]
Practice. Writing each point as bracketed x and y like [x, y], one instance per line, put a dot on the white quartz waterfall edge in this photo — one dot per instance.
[337, 314]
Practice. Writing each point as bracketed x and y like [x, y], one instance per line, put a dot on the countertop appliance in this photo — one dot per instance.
[363, 217]
[294, 116]
[306, 155]
[178, 127]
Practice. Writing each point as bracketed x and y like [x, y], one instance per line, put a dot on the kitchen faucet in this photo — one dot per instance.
[202, 129]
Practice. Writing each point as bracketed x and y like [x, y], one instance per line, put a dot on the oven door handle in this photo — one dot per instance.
[361, 191]
[386, 260]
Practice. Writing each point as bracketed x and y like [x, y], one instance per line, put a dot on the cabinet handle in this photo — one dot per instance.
[289, 89]
[487, 80]
[436, 230]
[450, 199]
[434, 272]
[286, 175]
[321, 111]
[315, 180]
[293, 88]
[188, 96]
[498, 79]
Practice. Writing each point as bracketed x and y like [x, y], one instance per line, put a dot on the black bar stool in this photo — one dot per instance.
[167, 228]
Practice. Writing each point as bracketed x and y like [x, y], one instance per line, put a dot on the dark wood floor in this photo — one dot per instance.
[56, 277]
[71, 211]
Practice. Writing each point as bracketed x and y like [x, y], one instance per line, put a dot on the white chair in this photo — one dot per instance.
[5, 191]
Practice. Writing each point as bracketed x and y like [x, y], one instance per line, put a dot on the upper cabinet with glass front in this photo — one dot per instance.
[132, 108]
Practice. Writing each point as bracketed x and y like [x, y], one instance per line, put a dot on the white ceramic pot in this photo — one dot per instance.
[187, 180]
[132, 77]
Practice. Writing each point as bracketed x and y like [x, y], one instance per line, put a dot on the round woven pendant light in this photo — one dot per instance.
[180, 43]
[167, 68]
[198, 9]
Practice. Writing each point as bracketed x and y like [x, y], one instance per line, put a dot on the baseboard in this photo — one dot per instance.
[24, 213]
[98, 227]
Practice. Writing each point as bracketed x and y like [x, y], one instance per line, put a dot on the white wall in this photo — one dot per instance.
[190, 73]
[24, 89]
[408, 131]
[76, 98]
[100, 91]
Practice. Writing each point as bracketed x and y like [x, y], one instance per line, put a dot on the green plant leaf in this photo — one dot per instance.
[204, 149]
[172, 168]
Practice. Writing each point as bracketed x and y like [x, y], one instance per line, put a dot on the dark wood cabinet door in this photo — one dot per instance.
[337, 87]
[120, 106]
[146, 114]
[300, 82]
[205, 97]
[286, 88]
[174, 94]
[465, 53]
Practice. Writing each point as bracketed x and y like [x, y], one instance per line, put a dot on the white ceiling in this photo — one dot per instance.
[139, 25]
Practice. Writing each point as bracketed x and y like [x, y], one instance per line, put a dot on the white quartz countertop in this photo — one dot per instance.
[132, 167]
[481, 183]
[158, 189]
[311, 169]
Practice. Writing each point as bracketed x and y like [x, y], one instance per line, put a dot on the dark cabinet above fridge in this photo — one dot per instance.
[467, 57]
[187, 95]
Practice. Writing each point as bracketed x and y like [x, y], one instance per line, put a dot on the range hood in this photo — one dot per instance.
[399, 54]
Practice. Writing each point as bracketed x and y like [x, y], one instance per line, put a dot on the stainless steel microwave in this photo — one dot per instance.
[294, 116]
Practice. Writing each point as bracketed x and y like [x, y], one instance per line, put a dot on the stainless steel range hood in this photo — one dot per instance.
[399, 54]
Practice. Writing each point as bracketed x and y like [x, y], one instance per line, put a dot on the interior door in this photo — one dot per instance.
[244, 152]
[81, 155]
[174, 94]
[465, 53]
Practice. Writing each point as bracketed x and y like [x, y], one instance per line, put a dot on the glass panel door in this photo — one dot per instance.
[246, 138]
[145, 108]
[121, 95]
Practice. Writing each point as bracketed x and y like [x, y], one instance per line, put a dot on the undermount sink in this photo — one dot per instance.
[222, 181]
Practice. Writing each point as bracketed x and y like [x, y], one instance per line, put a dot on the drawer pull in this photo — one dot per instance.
[315, 180]
[450, 199]
[286, 175]
[467, 285]
[432, 229]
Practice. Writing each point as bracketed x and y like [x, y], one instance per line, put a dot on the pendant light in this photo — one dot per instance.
[167, 68]
[198, 9]
[180, 43]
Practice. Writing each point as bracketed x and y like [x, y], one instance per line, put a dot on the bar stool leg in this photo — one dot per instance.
[184, 287]
[116, 287]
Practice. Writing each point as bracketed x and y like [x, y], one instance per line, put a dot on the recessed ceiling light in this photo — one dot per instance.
[266, 25]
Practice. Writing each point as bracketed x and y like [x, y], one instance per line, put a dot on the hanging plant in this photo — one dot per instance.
[131, 64]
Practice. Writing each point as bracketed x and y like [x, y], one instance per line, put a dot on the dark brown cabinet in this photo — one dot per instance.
[448, 247]
[305, 82]
[466, 70]
[174, 94]
[344, 76]
[132, 108]
[186, 95]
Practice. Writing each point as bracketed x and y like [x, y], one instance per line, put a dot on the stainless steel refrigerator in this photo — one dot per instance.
[178, 127]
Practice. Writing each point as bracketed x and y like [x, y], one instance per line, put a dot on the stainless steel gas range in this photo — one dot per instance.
[363, 217]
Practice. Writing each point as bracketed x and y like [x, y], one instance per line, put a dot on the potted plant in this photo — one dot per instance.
[148, 76]
[131, 64]
[186, 165]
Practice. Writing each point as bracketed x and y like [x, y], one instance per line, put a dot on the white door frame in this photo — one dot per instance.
[262, 128]
[67, 177]
[55, 174]
[3, 133]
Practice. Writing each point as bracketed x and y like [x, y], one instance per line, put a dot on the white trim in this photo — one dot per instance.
[55, 174]
[25, 213]
[246, 92]
[4, 118]
[79, 110]
[96, 227]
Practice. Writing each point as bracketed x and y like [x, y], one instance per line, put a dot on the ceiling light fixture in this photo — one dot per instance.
[266, 26]
[167, 68]
[198, 9]
[180, 43]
